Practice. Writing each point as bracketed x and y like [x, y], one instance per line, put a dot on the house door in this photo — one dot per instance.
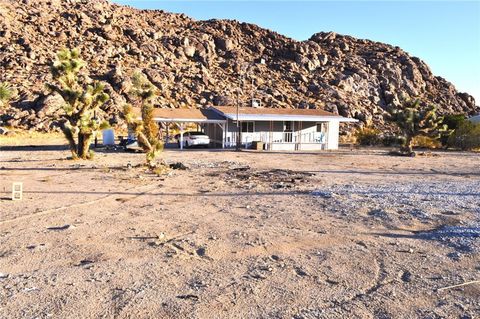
[248, 133]
[288, 131]
[322, 134]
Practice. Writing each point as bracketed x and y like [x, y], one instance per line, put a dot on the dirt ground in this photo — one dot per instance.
[345, 234]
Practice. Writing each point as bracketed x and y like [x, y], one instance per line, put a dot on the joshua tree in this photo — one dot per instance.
[82, 101]
[6, 94]
[416, 119]
[145, 129]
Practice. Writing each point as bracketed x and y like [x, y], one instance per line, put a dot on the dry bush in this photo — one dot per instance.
[426, 142]
[465, 137]
[367, 136]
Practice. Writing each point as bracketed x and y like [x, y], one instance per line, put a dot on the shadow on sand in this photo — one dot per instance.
[248, 193]
[34, 148]
[333, 171]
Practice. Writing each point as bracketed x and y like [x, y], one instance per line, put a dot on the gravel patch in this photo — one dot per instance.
[393, 205]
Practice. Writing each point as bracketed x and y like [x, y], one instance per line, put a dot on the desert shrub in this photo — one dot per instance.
[426, 142]
[7, 93]
[415, 118]
[367, 136]
[452, 121]
[392, 140]
[347, 138]
[465, 137]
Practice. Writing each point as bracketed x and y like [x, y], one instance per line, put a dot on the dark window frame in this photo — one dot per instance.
[248, 127]
[320, 125]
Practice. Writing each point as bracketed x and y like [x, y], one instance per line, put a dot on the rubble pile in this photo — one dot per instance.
[247, 178]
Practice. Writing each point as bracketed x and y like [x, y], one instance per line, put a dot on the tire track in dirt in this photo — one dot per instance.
[57, 209]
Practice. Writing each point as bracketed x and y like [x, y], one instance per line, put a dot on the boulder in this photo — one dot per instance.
[3, 131]
[323, 58]
[189, 51]
[49, 105]
[224, 44]
[222, 100]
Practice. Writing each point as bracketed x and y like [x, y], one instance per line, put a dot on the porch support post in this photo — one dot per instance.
[167, 124]
[239, 135]
[299, 134]
[270, 137]
[224, 135]
[215, 134]
[181, 135]
[226, 131]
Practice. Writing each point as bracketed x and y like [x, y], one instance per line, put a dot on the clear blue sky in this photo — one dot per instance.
[445, 34]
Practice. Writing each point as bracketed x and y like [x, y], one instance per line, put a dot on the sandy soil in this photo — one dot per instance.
[347, 234]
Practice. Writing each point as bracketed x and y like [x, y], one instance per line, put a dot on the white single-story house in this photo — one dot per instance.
[277, 129]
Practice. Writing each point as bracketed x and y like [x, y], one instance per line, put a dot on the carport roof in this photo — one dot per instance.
[186, 115]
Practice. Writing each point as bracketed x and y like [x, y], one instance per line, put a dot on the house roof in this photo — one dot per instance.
[186, 115]
[277, 114]
[219, 114]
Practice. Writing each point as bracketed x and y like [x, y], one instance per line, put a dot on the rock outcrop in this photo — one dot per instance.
[202, 63]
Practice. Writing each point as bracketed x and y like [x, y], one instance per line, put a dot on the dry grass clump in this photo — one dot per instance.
[465, 137]
[426, 142]
[367, 136]
[21, 137]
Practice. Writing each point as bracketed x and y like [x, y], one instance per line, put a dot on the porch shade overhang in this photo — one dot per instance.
[185, 115]
[271, 114]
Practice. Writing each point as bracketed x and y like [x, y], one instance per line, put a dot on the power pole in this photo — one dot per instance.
[238, 126]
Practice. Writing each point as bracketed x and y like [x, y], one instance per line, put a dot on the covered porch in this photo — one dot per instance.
[281, 135]
[282, 129]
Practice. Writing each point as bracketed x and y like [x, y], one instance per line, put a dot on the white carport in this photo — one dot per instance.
[181, 117]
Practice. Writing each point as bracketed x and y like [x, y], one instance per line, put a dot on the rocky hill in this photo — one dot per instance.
[200, 63]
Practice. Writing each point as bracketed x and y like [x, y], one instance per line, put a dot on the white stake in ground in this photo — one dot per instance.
[17, 191]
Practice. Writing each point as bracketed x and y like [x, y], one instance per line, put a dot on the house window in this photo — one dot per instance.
[321, 127]
[248, 127]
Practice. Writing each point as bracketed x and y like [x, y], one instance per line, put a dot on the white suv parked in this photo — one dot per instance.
[194, 139]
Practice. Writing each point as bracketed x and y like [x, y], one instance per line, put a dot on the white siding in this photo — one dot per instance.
[305, 139]
[333, 134]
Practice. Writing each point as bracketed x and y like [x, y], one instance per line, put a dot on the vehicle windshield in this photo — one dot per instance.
[196, 133]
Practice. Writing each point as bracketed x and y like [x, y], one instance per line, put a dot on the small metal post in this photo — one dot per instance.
[95, 134]
[17, 191]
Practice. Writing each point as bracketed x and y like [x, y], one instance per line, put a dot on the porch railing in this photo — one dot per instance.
[293, 137]
[278, 138]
